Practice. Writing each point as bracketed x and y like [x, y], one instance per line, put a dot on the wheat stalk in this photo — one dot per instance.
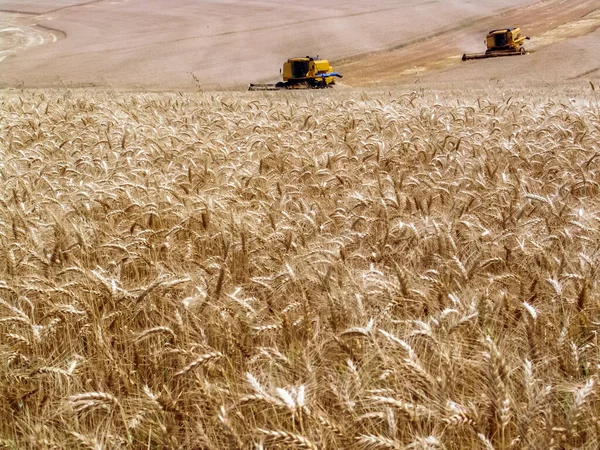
[289, 439]
[334, 264]
[199, 362]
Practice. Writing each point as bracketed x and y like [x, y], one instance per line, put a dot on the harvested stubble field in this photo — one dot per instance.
[352, 270]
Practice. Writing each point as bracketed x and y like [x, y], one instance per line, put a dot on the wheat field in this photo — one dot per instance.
[347, 270]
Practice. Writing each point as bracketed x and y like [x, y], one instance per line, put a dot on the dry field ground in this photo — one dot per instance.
[160, 43]
[379, 270]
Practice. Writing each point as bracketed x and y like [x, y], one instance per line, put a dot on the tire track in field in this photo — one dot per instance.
[18, 33]
[50, 11]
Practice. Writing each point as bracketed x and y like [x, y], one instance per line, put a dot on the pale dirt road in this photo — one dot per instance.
[224, 43]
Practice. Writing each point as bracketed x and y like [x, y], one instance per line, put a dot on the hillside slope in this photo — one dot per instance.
[160, 43]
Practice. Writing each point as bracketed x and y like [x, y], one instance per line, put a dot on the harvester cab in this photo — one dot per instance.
[309, 71]
[303, 73]
[501, 42]
[507, 39]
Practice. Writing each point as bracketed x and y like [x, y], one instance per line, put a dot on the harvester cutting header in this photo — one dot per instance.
[302, 73]
[501, 42]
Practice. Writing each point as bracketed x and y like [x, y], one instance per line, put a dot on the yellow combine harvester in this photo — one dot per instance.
[501, 42]
[302, 73]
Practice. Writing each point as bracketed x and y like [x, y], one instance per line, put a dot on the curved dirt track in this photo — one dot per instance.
[18, 33]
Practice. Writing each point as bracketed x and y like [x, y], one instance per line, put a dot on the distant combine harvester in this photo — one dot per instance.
[302, 73]
[501, 42]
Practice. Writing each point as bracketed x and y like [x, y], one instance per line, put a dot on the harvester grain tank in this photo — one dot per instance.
[302, 73]
[501, 42]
